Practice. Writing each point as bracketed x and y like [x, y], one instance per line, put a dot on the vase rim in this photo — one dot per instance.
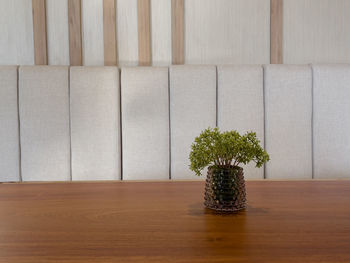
[236, 167]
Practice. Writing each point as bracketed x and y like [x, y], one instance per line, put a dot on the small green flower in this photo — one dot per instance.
[225, 149]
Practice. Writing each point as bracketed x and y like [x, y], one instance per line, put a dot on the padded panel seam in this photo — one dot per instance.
[19, 131]
[120, 124]
[169, 118]
[312, 123]
[70, 126]
[216, 94]
[264, 109]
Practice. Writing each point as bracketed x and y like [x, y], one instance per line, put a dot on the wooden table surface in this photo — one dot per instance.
[303, 221]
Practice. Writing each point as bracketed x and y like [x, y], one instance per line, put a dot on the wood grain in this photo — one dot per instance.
[178, 31]
[75, 39]
[39, 32]
[305, 221]
[109, 32]
[144, 32]
[276, 32]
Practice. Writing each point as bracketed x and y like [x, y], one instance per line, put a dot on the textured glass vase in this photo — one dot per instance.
[225, 189]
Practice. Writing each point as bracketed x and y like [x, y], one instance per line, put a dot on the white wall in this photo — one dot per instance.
[92, 32]
[216, 32]
[127, 39]
[57, 32]
[227, 31]
[16, 32]
[316, 31]
[161, 32]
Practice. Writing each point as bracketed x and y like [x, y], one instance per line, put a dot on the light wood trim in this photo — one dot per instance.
[144, 32]
[276, 34]
[39, 32]
[75, 42]
[178, 31]
[109, 33]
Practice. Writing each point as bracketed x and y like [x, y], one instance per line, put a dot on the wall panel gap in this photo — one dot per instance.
[19, 130]
[264, 105]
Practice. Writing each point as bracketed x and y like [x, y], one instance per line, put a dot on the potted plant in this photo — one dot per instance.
[222, 153]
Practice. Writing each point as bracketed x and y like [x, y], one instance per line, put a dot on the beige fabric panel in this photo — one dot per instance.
[288, 121]
[44, 123]
[192, 109]
[241, 104]
[331, 121]
[9, 136]
[145, 123]
[95, 123]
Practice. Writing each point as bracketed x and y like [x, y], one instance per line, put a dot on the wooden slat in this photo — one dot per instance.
[276, 34]
[39, 30]
[144, 32]
[109, 32]
[75, 46]
[178, 31]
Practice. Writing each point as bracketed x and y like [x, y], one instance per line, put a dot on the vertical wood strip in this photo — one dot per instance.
[39, 32]
[276, 33]
[144, 32]
[109, 33]
[74, 19]
[178, 31]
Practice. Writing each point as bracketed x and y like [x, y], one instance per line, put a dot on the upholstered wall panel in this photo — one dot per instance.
[57, 32]
[127, 37]
[227, 31]
[288, 110]
[241, 104]
[192, 109]
[316, 31]
[92, 32]
[44, 123]
[331, 121]
[145, 123]
[16, 32]
[161, 32]
[95, 130]
[9, 139]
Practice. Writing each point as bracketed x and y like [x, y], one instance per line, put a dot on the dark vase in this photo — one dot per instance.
[225, 189]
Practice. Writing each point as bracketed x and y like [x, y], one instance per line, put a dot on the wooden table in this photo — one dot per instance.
[304, 221]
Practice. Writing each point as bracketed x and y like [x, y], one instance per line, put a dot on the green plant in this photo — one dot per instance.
[225, 149]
